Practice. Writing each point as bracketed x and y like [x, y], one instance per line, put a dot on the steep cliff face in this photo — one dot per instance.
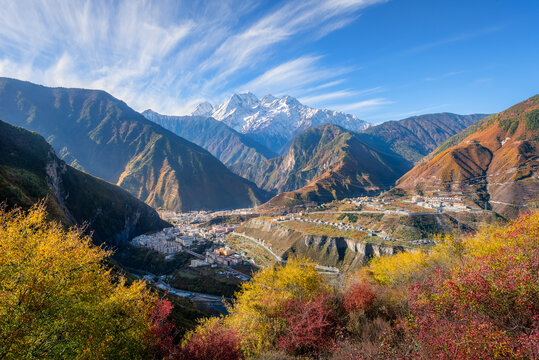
[31, 171]
[343, 253]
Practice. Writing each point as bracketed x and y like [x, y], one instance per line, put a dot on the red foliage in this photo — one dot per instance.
[214, 342]
[460, 334]
[162, 328]
[485, 308]
[310, 327]
[359, 296]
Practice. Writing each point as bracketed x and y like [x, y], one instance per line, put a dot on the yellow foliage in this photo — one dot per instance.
[255, 311]
[520, 233]
[408, 266]
[397, 268]
[58, 301]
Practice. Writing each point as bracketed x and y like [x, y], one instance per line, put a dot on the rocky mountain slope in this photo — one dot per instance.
[221, 141]
[495, 162]
[343, 253]
[94, 131]
[273, 121]
[328, 162]
[31, 171]
[417, 136]
[311, 155]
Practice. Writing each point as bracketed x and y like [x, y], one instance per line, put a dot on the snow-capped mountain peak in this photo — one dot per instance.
[290, 101]
[268, 99]
[150, 114]
[203, 109]
[275, 121]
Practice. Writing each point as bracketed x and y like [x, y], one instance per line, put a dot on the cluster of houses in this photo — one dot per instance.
[440, 203]
[197, 217]
[192, 217]
[338, 225]
[223, 229]
[168, 241]
[423, 242]
[220, 256]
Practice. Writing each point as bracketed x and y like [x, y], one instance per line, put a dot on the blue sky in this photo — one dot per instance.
[379, 60]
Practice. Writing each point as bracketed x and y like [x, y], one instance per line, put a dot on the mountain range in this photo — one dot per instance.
[393, 147]
[223, 142]
[494, 162]
[274, 121]
[416, 136]
[178, 162]
[410, 138]
[328, 162]
[95, 132]
[30, 171]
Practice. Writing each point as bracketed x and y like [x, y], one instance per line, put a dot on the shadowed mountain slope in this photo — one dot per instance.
[221, 141]
[328, 162]
[415, 137]
[31, 171]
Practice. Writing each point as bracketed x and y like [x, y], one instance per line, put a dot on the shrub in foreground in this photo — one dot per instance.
[310, 326]
[58, 301]
[211, 341]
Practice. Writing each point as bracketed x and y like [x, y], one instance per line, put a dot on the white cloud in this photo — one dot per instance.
[443, 76]
[169, 54]
[363, 105]
[293, 77]
[453, 39]
[398, 116]
[322, 98]
[316, 99]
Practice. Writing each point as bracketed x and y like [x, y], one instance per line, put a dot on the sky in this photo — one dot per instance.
[376, 59]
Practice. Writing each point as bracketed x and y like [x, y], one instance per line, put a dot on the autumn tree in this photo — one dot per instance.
[359, 296]
[58, 301]
[256, 314]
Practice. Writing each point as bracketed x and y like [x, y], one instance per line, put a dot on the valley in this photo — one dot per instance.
[340, 237]
[269, 180]
[342, 196]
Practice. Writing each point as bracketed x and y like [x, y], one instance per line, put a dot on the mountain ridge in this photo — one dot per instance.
[30, 171]
[275, 121]
[495, 162]
[415, 137]
[93, 131]
[328, 162]
[220, 140]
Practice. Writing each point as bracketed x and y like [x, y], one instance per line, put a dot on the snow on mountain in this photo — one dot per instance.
[275, 121]
[203, 109]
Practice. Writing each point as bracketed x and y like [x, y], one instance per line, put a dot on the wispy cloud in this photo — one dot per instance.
[339, 94]
[452, 39]
[363, 105]
[294, 76]
[397, 116]
[443, 76]
[170, 54]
